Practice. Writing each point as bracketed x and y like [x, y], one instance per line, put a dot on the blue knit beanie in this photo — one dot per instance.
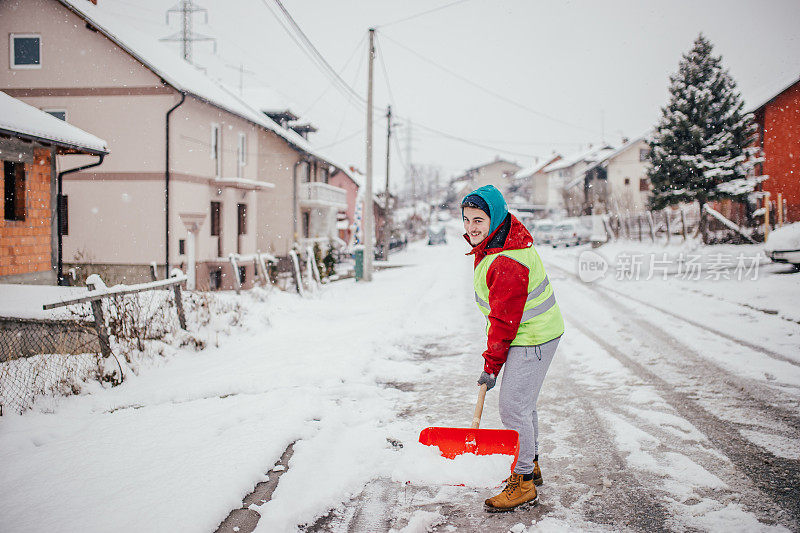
[489, 200]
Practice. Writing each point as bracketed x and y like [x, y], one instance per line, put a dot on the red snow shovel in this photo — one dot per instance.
[456, 441]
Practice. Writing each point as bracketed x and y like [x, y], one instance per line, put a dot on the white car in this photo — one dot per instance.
[569, 233]
[783, 245]
[544, 233]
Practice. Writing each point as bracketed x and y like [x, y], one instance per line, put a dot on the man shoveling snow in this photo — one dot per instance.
[524, 326]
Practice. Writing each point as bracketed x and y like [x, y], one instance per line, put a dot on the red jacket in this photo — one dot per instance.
[508, 289]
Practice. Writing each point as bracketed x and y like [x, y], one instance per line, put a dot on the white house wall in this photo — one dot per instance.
[627, 165]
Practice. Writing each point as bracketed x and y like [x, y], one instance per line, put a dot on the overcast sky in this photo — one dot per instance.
[526, 78]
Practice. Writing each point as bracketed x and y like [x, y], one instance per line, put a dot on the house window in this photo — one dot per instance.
[644, 154]
[216, 149]
[26, 50]
[14, 190]
[306, 223]
[215, 279]
[326, 175]
[181, 246]
[644, 184]
[216, 208]
[60, 114]
[242, 272]
[627, 181]
[242, 153]
[63, 211]
[241, 226]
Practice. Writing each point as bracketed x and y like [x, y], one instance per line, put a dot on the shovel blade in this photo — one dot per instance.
[456, 441]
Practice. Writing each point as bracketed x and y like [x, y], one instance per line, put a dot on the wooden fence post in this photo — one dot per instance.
[666, 219]
[313, 263]
[683, 224]
[153, 271]
[296, 268]
[236, 279]
[265, 272]
[607, 228]
[651, 224]
[176, 288]
[100, 324]
[639, 223]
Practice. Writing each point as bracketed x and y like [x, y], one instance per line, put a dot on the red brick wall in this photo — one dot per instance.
[781, 138]
[25, 244]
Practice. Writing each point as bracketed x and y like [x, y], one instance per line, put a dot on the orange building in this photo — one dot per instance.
[30, 232]
[778, 121]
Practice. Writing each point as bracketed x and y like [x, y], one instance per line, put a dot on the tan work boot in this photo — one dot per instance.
[537, 475]
[516, 493]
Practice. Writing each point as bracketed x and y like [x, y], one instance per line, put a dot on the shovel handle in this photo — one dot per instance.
[476, 418]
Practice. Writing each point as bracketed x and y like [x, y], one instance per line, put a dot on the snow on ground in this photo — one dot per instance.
[26, 301]
[633, 437]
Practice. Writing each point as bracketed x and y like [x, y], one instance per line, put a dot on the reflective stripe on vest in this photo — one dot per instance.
[539, 309]
[482, 303]
[530, 313]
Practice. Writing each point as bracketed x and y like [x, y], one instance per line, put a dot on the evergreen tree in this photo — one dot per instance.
[702, 147]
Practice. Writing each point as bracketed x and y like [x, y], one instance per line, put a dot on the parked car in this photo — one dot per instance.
[397, 241]
[437, 234]
[544, 233]
[569, 233]
[783, 245]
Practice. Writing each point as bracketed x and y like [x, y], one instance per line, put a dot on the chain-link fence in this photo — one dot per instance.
[104, 337]
[42, 357]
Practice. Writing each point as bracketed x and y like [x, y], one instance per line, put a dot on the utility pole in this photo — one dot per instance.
[386, 226]
[368, 200]
[187, 8]
[410, 178]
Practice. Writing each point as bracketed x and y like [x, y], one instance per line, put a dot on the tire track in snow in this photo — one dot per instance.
[594, 478]
[776, 477]
[738, 340]
[755, 347]
[703, 374]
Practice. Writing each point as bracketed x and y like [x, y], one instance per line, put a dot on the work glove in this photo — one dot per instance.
[489, 379]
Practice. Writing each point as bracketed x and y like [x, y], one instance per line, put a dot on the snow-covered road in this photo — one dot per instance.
[669, 406]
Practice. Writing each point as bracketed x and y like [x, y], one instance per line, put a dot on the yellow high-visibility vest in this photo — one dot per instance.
[541, 318]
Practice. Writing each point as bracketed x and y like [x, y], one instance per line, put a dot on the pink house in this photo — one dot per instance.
[195, 173]
[350, 181]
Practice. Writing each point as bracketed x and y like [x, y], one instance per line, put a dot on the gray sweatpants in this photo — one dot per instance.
[523, 375]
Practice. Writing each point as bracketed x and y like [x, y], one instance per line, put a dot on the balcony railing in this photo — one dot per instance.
[321, 195]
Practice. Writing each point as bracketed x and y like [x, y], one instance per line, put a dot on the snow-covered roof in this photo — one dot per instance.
[17, 117]
[767, 93]
[592, 154]
[359, 179]
[614, 153]
[466, 173]
[538, 167]
[178, 73]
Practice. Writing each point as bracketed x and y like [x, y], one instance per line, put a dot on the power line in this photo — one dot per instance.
[398, 21]
[340, 141]
[344, 67]
[485, 89]
[319, 58]
[472, 143]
